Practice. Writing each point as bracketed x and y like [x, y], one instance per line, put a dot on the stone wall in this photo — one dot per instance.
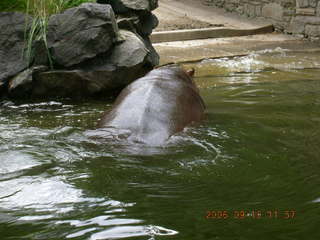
[298, 17]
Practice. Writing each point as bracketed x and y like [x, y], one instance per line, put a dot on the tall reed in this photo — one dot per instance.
[41, 10]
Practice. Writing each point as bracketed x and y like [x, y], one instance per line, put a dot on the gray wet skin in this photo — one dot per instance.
[156, 106]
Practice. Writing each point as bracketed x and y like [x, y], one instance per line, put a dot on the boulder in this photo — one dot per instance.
[143, 24]
[81, 33]
[22, 84]
[153, 57]
[123, 6]
[106, 73]
[148, 22]
[12, 44]
[128, 21]
[89, 55]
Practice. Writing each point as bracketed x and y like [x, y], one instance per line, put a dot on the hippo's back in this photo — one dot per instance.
[156, 106]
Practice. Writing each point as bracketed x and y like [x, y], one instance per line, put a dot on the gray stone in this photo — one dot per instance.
[153, 57]
[130, 53]
[64, 83]
[146, 5]
[103, 74]
[81, 33]
[128, 21]
[306, 11]
[312, 30]
[148, 22]
[318, 9]
[296, 27]
[308, 19]
[251, 10]
[240, 10]
[259, 11]
[302, 3]
[142, 24]
[123, 6]
[273, 10]
[313, 3]
[2, 89]
[287, 3]
[12, 43]
[21, 85]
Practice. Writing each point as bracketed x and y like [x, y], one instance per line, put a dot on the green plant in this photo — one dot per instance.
[41, 10]
[10, 5]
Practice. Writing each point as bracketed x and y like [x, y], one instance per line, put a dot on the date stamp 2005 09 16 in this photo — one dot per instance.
[253, 214]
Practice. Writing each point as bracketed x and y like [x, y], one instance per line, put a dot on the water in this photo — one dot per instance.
[250, 170]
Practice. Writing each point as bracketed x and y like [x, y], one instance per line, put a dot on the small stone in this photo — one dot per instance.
[306, 11]
[312, 30]
[296, 27]
[302, 3]
[272, 10]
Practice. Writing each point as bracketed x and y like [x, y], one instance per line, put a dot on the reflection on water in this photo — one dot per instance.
[257, 150]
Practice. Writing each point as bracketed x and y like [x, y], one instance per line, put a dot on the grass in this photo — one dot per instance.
[50, 5]
[41, 10]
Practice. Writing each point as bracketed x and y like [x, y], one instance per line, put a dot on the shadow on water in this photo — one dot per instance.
[249, 171]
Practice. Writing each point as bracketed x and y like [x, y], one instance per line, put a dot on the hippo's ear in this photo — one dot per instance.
[191, 72]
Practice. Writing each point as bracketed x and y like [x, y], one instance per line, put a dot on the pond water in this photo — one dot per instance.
[250, 170]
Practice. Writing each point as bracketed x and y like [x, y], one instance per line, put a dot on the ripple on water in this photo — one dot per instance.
[57, 182]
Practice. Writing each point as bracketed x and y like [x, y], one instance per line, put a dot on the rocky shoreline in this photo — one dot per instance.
[95, 49]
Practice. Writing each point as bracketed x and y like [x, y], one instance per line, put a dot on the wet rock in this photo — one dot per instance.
[153, 57]
[89, 54]
[21, 85]
[148, 22]
[123, 6]
[104, 74]
[2, 89]
[130, 53]
[128, 21]
[12, 44]
[63, 83]
[142, 24]
[81, 33]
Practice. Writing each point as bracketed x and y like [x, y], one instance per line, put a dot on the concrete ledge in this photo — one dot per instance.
[198, 50]
[194, 34]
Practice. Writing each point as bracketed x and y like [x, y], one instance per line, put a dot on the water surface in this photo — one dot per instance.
[250, 170]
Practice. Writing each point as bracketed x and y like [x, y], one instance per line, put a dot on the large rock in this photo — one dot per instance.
[81, 33]
[143, 24]
[22, 84]
[13, 26]
[122, 6]
[153, 57]
[128, 61]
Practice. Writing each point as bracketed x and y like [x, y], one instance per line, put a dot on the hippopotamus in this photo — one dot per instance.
[156, 106]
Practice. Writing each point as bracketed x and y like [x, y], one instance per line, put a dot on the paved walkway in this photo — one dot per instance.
[177, 14]
[186, 14]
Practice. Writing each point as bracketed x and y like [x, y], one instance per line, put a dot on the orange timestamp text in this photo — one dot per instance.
[253, 214]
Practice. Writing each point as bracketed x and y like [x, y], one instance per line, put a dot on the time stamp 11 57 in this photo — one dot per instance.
[250, 214]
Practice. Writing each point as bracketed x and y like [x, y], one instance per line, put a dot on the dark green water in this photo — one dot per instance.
[251, 170]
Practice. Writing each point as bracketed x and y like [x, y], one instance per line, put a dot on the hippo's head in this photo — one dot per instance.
[176, 72]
